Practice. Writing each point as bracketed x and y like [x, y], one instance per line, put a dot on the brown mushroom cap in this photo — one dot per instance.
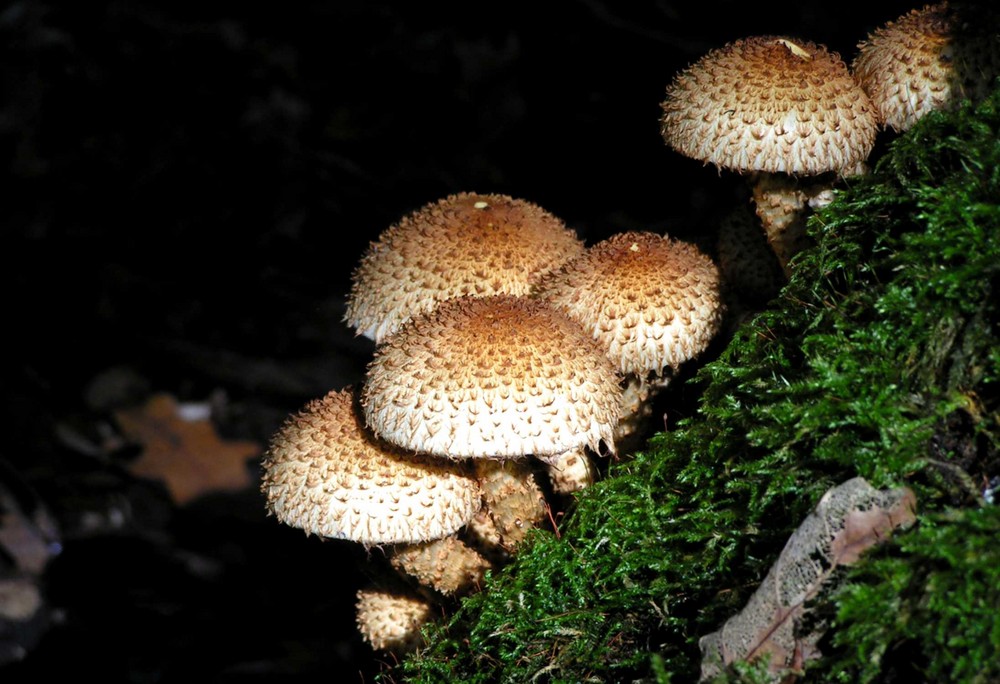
[391, 620]
[771, 104]
[466, 244]
[326, 474]
[499, 377]
[928, 59]
[652, 302]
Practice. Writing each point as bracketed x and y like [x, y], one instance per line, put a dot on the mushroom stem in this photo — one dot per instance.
[783, 204]
[446, 565]
[514, 500]
[570, 471]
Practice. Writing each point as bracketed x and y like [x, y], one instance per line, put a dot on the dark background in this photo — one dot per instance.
[186, 188]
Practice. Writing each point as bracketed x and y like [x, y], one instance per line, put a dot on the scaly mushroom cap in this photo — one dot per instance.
[772, 104]
[928, 59]
[465, 244]
[391, 620]
[497, 377]
[652, 302]
[325, 473]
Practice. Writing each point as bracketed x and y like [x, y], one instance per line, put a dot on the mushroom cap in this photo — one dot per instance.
[926, 60]
[390, 620]
[771, 104]
[325, 473]
[466, 244]
[652, 302]
[496, 377]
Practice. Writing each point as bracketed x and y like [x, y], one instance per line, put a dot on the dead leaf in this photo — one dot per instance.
[187, 454]
[849, 519]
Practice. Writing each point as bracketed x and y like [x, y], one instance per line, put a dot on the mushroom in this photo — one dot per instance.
[466, 244]
[325, 473]
[492, 377]
[391, 619]
[928, 59]
[651, 302]
[779, 109]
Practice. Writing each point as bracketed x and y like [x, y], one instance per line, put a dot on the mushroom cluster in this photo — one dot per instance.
[505, 350]
[508, 353]
[928, 59]
[798, 119]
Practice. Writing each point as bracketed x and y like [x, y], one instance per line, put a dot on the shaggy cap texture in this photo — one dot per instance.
[325, 473]
[464, 244]
[772, 104]
[495, 377]
[650, 301]
[391, 621]
[928, 59]
[446, 565]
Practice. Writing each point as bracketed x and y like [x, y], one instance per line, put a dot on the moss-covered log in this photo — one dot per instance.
[879, 359]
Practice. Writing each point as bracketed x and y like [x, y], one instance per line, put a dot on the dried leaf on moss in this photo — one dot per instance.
[849, 519]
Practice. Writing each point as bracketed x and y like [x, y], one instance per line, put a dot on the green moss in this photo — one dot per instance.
[879, 359]
[925, 609]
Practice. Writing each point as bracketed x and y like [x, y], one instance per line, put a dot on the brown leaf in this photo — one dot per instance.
[849, 519]
[187, 455]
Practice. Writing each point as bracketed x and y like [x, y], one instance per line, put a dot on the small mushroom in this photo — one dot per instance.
[928, 59]
[778, 108]
[466, 244]
[492, 377]
[650, 301]
[325, 473]
[391, 619]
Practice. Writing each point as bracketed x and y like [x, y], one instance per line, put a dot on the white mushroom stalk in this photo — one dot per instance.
[512, 499]
[571, 471]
